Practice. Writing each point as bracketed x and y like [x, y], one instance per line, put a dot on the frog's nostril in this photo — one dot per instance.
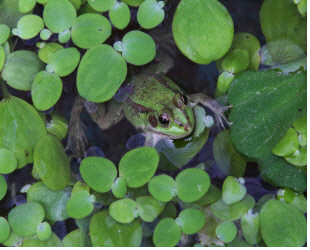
[185, 127]
[180, 125]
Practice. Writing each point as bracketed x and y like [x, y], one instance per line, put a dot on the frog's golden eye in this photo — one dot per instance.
[164, 120]
[184, 99]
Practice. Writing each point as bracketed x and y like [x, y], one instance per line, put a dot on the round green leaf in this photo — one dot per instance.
[63, 62]
[101, 72]
[28, 26]
[90, 29]
[212, 195]
[3, 187]
[150, 14]
[202, 29]
[233, 190]
[119, 188]
[53, 202]
[48, 50]
[80, 205]
[21, 127]
[59, 15]
[4, 229]
[33, 241]
[301, 124]
[4, 33]
[52, 163]
[46, 90]
[99, 173]
[236, 61]
[133, 3]
[250, 227]
[162, 187]
[22, 59]
[149, 208]
[57, 128]
[8, 161]
[224, 81]
[80, 186]
[282, 225]
[192, 184]
[288, 144]
[138, 48]
[191, 220]
[76, 238]
[104, 231]
[11, 13]
[100, 5]
[226, 231]
[300, 202]
[123, 210]
[44, 231]
[167, 233]
[119, 15]
[138, 166]
[13, 240]
[25, 218]
[45, 34]
[64, 36]
[25, 6]
[299, 159]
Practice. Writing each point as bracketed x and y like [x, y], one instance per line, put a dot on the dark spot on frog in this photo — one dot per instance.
[299, 110]
[295, 29]
[99, 29]
[26, 153]
[153, 121]
[247, 37]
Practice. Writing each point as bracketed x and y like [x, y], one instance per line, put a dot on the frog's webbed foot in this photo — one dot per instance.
[213, 105]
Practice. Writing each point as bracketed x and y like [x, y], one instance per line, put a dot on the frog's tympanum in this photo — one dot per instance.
[155, 105]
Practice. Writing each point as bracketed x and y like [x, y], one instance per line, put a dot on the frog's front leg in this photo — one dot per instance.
[211, 104]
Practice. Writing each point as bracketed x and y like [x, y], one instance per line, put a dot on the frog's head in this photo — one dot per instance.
[175, 120]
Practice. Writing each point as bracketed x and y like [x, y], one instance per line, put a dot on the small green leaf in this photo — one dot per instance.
[233, 190]
[57, 128]
[192, 184]
[25, 218]
[150, 14]
[149, 208]
[301, 124]
[3, 187]
[59, 15]
[138, 48]
[8, 161]
[80, 186]
[123, 210]
[13, 240]
[133, 3]
[4, 229]
[44, 231]
[167, 233]
[299, 159]
[76, 238]
[64, 36]
[80, 205]
[191, 220]
[162, 187]
[101, 72]
[250, 227]
[286, 194]
[100, 5]
[11, 13]
[212, 195]
[224, 81]
[300, 202]
[226, 231]
[119, 15]
[48, 50]
[4, 33]
[99, 173]
[90, 29]
[119, 188]
[28, 26]
[33, 241]
[45, 34]
[25, 6]
[288, 144]
[138, 166]
[236, 61]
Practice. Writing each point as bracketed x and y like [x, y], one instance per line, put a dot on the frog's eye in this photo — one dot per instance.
[184, 99]
[164, 120]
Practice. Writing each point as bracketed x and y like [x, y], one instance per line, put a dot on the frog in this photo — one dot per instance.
[156, 105]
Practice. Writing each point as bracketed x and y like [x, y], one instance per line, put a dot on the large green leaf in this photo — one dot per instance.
[202, 29]
[21, 127]
[265, 106]
[9, 13]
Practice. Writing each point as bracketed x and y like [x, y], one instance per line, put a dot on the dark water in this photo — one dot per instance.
[193, 78]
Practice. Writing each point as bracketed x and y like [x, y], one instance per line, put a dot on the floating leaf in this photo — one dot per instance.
[4, 229]
[28, 26]
[25, 6]
[3, 187]
[63, 62]
[138, 166]
[25, 218]
[301, 124]
[224, 81]
[133, 3]
[123, 210]
[89, 30]
[45, 34]
[203, 30]
[80, 186]
[167, 233]
[254, 136]
[76, 238]
[46, 90]
[250, 227]
[33, 241]
[150, 13]
[22, 59]
[8, 161]
[106, 232]
[226, 156]
[298, 160]
[169, 212]
[138, 48]
[162, 187]
[57, 128]
[288, 144]
[226, 231]
[52, 163]
[4, 33]
[236, 61]
[233, 190]
[119, 188]
[212, 195]
[13, 240]
[48, 50]
[149, 208]
[300, 202]
[119, 15]
[44, 231]
[21, 127]
[101, 72]
[282, 225]
[80, 204]
[191, 220]
[9, 13]
[99, 173]
[59, 15]
[100, 5]
[53, 202]
[64, 36]
[192, 184]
